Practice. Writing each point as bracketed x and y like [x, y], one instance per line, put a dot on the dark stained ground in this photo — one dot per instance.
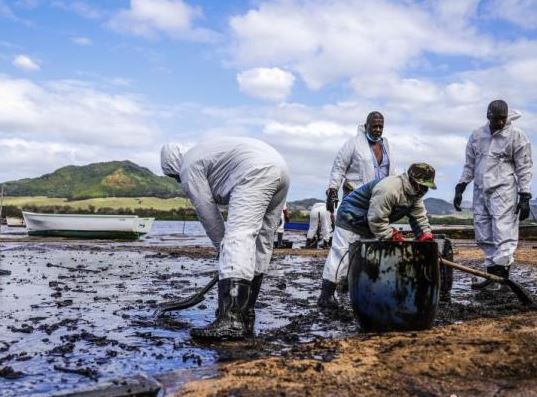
[78, 313]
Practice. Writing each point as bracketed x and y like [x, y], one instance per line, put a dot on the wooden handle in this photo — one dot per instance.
[475, 272]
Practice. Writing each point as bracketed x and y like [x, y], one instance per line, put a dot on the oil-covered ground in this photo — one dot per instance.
[76, 314]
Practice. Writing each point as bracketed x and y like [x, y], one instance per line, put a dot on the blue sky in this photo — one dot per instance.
[83, 81]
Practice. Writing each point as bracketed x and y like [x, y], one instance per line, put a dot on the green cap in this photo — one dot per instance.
[422, 174]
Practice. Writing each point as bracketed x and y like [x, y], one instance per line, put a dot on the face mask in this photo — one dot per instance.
[422, 190]
[372, 138]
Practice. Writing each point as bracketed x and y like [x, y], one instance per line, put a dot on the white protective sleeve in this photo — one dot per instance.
[207, 210]
[354, 162]
[523, 162]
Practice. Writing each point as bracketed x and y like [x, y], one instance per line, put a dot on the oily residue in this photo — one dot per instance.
[76, 315]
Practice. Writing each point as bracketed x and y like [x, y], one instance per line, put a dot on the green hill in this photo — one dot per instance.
[109, 179]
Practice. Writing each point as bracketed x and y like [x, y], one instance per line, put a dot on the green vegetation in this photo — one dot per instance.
[110, 179]
[164, 209]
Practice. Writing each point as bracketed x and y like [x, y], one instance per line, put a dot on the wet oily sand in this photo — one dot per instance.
[493, 353]
[80, 313]
[480, 358]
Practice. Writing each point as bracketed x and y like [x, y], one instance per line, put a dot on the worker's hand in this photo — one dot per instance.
[397, 235]
[331, 199]
[457, 200]
[523, 206]
[425, 237]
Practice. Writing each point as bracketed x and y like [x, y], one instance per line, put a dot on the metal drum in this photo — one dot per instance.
[394, 285]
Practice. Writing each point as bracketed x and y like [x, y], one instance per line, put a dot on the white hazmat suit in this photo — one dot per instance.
[500, 166]
[354, 164]
[320, 218]
[252, 179]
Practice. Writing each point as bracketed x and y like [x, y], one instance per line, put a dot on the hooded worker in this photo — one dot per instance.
[368, 212]
[252, 179]
[361, 159]
[498, 161]
[320, 226]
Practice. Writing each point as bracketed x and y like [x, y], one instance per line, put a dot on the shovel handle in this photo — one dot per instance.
[475, 272]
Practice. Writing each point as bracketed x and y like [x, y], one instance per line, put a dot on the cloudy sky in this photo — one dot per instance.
[89, 81]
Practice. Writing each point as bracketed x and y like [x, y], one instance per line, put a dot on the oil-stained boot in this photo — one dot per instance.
[250, 309]
[327, 299]
[231, 322]
[497, 270]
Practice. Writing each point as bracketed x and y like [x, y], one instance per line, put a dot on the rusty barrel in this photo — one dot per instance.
[394, 285]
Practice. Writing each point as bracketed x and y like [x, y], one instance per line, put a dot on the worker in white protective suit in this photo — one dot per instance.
[252, 179]
[362, 158]
[498, 161]
[284, 218]
[320, 226]
[368, 212]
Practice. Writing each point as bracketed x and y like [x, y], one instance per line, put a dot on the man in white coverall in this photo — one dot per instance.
[361, 159]
[284, 218]
[320, 219]
[498, 161]
[252, 179]
[367, 213]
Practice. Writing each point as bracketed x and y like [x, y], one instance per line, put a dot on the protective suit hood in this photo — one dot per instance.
[171, 159]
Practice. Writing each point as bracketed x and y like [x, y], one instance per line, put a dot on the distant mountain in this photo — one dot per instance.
[109, 179]
[437, 206]
[434, 206]
[302, 205]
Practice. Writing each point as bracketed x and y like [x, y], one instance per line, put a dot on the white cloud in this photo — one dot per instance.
[273, 84]
[328, 41]
[318, 129]
[81, 41]
[151, 18]
[519, 12]
[81, 8]
[411, 91]
[74, 112]
[26, 63]
[19, 156]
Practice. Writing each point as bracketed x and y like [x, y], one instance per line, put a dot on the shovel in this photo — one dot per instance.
[185, 303]
[523, 296]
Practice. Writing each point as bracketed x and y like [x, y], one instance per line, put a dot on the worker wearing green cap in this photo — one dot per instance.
[368, 212]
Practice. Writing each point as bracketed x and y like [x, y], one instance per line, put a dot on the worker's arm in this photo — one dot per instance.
[378, 216]
[418, 219]
[523, 163]
[341, 164]
[209, 215]
[469, 165]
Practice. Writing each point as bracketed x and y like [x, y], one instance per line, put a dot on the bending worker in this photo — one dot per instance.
[320, 226]
[362, 158]
[252, 179]
[498, 161]
[367, 213]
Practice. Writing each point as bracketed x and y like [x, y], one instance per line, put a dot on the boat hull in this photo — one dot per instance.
[87, 226]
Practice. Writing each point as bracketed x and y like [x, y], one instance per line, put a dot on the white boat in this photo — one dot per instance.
[14, 222]
[87, 226]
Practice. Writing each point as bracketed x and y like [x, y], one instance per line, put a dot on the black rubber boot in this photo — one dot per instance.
[280, 240]
[231, 322]
[327, 299]
[502, 271]
[311, 243]
[250, 309]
